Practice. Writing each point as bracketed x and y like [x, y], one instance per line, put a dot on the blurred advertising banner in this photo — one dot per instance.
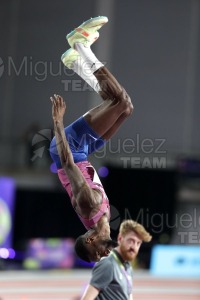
[49, 253]
[175, 260]
[7, 200]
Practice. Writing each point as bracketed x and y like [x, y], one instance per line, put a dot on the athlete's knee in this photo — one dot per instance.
[126, 103]
[129, 104]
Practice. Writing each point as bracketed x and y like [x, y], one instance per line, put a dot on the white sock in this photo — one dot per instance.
[81, 68]
[89, 57]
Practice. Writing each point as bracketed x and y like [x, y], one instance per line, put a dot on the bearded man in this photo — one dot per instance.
[112, 276]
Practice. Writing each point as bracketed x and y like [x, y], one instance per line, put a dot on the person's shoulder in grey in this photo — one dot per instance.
[108, 277]
[102, 273]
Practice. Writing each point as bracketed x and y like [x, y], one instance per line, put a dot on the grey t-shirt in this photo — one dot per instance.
[111, 280]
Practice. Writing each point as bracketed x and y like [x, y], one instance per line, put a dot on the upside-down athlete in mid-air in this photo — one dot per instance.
[71, 145]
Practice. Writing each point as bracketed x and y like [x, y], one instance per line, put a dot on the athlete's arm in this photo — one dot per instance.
[90, 293]
[77, 180]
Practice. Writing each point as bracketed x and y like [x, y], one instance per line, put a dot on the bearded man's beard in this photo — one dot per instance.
[128, 254]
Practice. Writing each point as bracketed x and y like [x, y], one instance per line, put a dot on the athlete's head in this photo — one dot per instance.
[131, 235]
[92, 247]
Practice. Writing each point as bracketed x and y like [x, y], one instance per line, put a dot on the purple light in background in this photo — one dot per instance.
[7, 200]
[7, 253]
[53, 168]
[11, 253]
[103, 171]
[4, 253]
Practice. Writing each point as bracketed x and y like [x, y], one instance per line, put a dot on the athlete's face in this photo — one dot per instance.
[98, 248]
[129, 245]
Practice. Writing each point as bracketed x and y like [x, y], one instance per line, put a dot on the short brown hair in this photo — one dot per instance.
[130, 225]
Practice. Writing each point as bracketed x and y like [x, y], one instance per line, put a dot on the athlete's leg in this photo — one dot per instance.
[95, 118]
[116, 107]
[108, 117]
[104, 118]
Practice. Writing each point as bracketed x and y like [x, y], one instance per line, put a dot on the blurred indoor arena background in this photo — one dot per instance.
[152, 46]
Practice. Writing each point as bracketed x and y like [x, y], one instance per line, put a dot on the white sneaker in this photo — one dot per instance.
[71, 55]
[86, 31]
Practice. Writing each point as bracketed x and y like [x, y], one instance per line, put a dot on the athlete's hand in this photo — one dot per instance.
[58, 107]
